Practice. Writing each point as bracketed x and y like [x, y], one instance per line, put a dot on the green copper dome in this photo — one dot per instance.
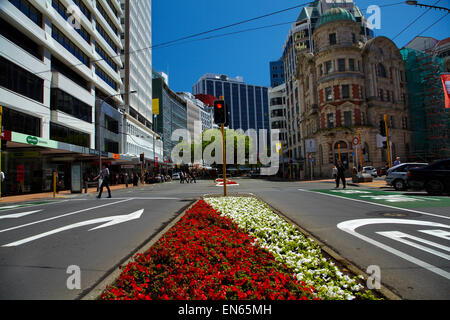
[335, 14]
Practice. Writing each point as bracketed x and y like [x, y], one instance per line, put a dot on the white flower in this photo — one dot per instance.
[288, 246]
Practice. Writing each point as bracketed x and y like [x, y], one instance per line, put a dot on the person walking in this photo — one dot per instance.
[104, 181]
[3, 178]
[397, 161]
[340, 174]
[181, 177]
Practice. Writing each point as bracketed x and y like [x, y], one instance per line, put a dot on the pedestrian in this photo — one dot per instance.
[193, 177]
[3, 178]
[181, 177]
[334, 172]
[340, 174]
[135, 180]
[397, 161]
[103, 178]
[125, 177]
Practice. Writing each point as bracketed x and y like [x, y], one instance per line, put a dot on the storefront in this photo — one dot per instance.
[29, 162]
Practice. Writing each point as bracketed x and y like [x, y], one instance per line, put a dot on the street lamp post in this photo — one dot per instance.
[414, 3]
[99, 129]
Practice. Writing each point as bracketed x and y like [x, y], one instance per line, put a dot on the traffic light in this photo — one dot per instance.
[382, 128]
[142, 157]
[220, 113]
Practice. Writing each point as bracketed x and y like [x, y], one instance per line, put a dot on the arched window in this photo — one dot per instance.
[365, 152]
[342, 143]
[381, 71]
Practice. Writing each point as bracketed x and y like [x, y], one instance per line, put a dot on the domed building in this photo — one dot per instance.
[347, 83]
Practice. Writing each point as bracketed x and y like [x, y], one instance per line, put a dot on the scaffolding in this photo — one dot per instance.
[430, 121]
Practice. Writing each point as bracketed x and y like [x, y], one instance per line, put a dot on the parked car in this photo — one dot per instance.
[370, 170]
[434, 178]
[176, 176]
[397, 175]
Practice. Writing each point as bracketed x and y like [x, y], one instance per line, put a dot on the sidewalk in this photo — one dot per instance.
[59, 195]
[373, 184]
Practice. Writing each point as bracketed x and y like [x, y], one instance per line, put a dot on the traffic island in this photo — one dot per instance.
[227, 248]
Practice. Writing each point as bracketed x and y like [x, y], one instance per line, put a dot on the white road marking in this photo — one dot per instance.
[110, 221]
[18, 215]
[351, 225]
[64, 215]
[400, 237]
[437, 233]
[377, 204]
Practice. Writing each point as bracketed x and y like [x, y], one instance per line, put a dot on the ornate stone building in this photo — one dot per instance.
[347, 84]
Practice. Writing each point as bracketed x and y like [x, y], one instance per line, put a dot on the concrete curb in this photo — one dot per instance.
[387, 293]
[95, 291]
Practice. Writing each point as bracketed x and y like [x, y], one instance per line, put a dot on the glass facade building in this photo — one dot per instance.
[248, 105]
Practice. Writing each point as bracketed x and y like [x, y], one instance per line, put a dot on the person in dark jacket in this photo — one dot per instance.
[340, 174]
[104, 176]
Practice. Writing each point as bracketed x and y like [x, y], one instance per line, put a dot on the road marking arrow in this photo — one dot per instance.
[110, 221]
[18, 215]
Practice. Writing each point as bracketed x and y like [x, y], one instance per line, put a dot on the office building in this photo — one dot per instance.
[137, 77]
[172, 115]
[59, 69]
[248, 105]
[276, 73]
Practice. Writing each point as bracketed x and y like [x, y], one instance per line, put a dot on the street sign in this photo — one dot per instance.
[355, 141]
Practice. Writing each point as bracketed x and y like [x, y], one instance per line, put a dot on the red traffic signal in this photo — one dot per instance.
[220, 112]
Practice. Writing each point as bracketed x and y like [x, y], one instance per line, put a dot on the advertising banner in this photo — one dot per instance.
[446, 83]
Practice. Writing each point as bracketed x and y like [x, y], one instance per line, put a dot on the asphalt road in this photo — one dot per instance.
[40, 243]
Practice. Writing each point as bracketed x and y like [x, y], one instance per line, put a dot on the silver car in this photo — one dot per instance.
[396, 176]
[370, 170]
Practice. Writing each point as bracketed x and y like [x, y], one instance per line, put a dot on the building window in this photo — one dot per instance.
[341, 65]
[345, 91]
[381, 94]
[111, 146]
[29, 10]
[328, 67]
[102, 53]
[69, 45]
[83, 8]
[105, 77]
[353, 38]
[328, 94]
[62, 10]
[330, 120]
[66, 103]
[21, 81]
[106, 37]
[17, 37]
[388, 95]
[21, 122]
[70, 136]
[351, 64]
[348, 118]
[332, 37]
[106, 17]
[381, 71]
[321, 69]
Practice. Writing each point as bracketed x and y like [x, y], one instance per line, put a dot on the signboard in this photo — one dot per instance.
[155, 104]
[446, 83]
[6, 135]
[76, 178]
[355, 141]
[32, 140]
[116, 156]
[310, 145]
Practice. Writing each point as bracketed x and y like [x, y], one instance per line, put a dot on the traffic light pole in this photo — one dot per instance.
[1, 130]
[387, 141]
[224, 165]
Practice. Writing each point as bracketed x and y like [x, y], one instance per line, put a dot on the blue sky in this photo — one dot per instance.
[248, 54]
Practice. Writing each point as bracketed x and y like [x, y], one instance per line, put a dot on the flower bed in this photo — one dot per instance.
[290, 247]
[207, 256]
[219, 183]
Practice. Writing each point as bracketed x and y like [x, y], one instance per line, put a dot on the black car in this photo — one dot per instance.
[434, 178]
